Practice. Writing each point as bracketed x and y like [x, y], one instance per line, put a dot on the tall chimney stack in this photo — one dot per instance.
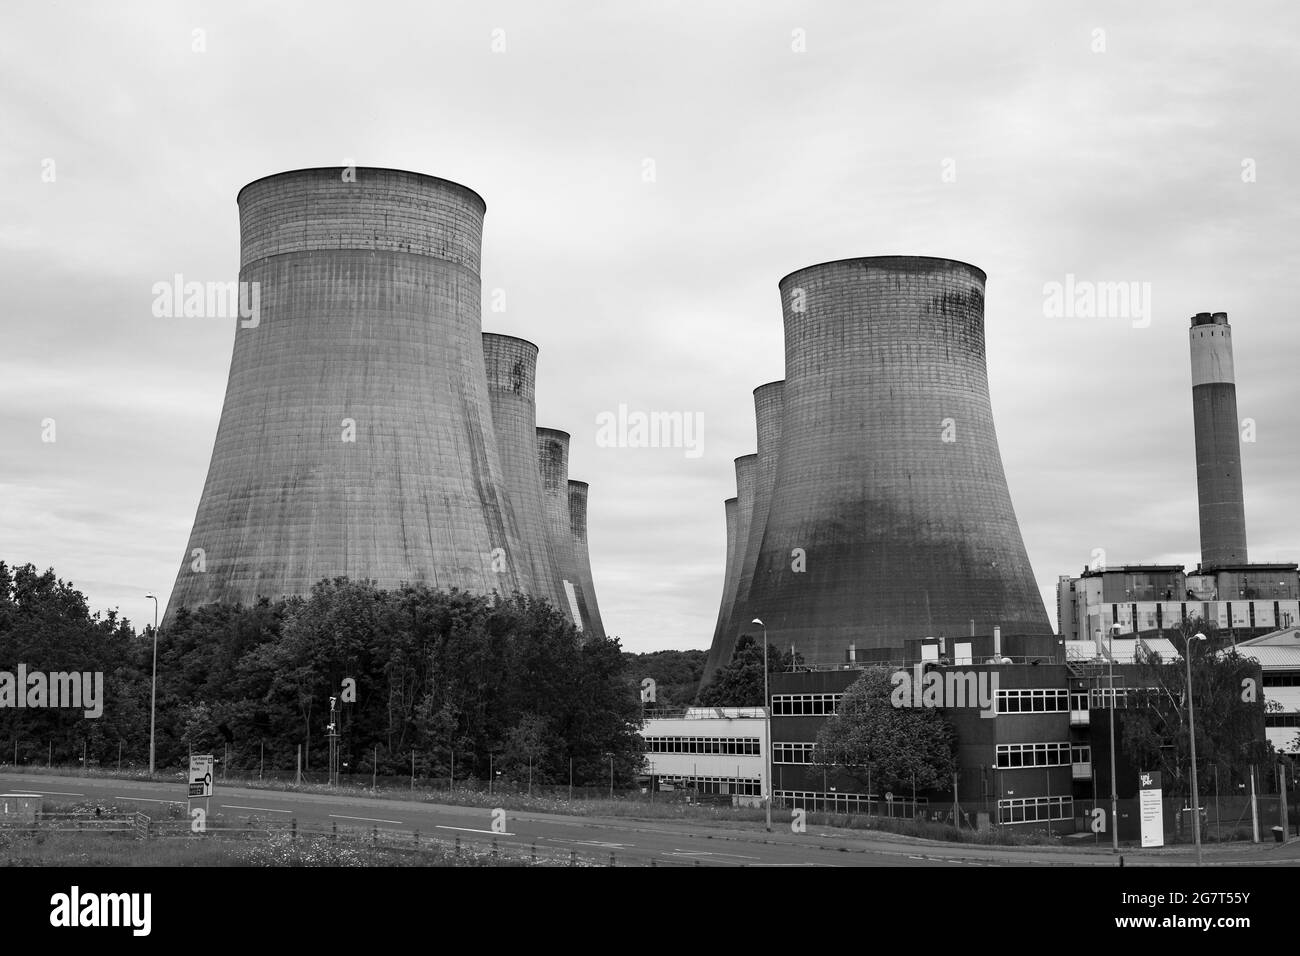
[1218, 443]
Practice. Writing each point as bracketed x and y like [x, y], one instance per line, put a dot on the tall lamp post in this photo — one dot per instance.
[153, 684]
[1191, 733]
[1114, 791]
[767, 729]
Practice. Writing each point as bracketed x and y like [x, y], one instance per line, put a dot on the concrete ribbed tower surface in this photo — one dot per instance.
[511, 365]
[582, 556]
[746, 489]
[889, 480]
[553, 464]
[769, 404]
[356, 436]
[728, 600]
[1218, 442]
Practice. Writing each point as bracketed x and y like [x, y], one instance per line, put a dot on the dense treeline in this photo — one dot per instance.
[676, 674]
[441, 675]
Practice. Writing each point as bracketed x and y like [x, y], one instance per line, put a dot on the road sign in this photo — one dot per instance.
[200, 775]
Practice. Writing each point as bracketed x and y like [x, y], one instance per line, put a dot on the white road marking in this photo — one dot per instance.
[49, 793]
[471, 830]
[232, 806]
[340, 816]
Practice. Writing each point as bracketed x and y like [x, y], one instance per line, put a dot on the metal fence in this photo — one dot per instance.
[411, 842]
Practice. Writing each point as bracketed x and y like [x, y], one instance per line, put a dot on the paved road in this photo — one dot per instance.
[636, 842]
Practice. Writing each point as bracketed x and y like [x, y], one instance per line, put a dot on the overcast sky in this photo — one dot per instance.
[1014, 136]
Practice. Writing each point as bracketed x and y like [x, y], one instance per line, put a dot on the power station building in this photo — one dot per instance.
[877, 509]
[370, 429]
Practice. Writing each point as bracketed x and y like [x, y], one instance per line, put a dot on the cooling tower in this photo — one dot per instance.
[746, 485]
[1218, 443]
[728, 596]
[356, 436]
[582, 557]
[768, 406]
[553, 464]
[890, 516]
[511, 383]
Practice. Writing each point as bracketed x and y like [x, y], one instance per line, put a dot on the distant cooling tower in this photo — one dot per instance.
[1218, 442]
[356, 436]
[511, 382]
[746, 489]
[553, 463]
[582, 557]
[889, 515]
[769, 404]
[728, 601]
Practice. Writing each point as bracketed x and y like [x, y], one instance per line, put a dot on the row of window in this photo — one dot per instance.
[746, 786]
[1036, 701]
[792, 752]
[1282, 720]
[1009, 702]
[1035, 809]
[702, 745]
[1285, 679]
[804, 705]
[1033, 755]
[845, 802]
[1081, 753]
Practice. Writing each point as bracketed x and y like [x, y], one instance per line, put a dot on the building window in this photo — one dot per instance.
[1282, 720]
[1011, 756]
[1035, 809]
[1081, 753]
[1078, 700]
[745, 786]
[804, 705]
[1282, 679]
[737, 746]
[792, 752]
[1033, 701]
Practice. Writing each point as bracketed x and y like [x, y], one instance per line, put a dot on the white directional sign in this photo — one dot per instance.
[200, 775]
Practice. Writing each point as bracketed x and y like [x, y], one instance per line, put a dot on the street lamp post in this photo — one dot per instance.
[767, 730]
[1114, 791]
[153, 684]
[1191, 733]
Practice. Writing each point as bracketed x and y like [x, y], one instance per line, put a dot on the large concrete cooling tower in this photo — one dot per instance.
[769, 404]
[356, 436]
[553, 464]
[1218, 443]
[728, 600]
[511, 382]
[890, 516]
[582, 557]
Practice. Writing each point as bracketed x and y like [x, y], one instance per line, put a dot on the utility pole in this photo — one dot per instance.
[1254, 805]
[767, 730]
[153, 684]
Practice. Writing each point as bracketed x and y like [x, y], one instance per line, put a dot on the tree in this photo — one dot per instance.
[740, 682]
[1229, 711]
[883, 746]
[676, 674]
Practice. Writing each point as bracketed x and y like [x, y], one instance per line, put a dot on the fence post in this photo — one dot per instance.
[534, 852]
[417, 839]
[573, 858]
[494, 848]
[334, 830]
[293, 827]
[374, 836]
[457, 846]
[611, 859]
